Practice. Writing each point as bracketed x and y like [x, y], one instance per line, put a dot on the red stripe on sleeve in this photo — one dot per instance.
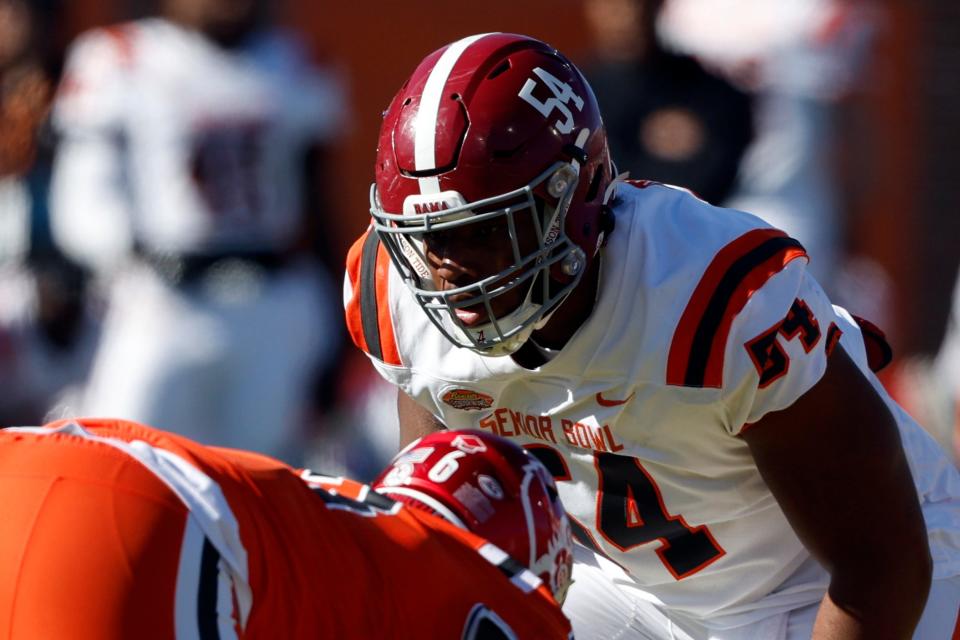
[756, 279]
[682, 343]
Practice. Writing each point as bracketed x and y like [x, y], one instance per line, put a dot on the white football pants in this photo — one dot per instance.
[601, 610]
[223, 363]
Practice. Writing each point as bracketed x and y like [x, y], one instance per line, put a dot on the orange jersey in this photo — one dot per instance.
[115, 530]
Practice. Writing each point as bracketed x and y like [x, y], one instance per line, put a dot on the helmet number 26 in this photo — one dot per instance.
[563, 95]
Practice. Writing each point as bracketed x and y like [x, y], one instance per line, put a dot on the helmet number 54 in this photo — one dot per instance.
[563, 94]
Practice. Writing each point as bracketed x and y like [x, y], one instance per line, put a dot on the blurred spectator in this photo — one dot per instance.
[47, 332]
[667, 118]
[929, 387]
[189, 178]
[25, 91]
[358, 433]
[947, 375]
[800, 57]
[48, 336]
[806, 60]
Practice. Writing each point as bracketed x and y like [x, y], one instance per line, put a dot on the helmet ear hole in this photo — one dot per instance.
[559, 182]
[594, 189]
[500, 68]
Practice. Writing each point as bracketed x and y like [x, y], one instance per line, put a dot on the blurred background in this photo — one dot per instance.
[180, 181]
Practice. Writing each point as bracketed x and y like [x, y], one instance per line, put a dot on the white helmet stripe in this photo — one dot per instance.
[433, 503]
[426, 121]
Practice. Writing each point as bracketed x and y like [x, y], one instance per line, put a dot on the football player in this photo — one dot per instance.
[115, 530]
[947, 370]
[731, 465]
[187, 178]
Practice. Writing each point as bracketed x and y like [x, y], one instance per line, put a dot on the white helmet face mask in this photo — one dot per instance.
[405, 237]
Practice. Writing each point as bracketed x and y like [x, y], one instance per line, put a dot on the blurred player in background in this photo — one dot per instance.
[947, 369]
[48, 337]
[800, 59]
[115, 530]
[668, 119]
[732, 466]
[189, 177]
[930, 387]
[48, 332]
[25, 94]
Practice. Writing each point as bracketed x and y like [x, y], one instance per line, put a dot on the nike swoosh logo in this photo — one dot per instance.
[603, 402]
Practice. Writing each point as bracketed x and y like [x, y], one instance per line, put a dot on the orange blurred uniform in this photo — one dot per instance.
[110, 529]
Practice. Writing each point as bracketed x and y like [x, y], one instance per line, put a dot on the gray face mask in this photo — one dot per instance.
[406, 236]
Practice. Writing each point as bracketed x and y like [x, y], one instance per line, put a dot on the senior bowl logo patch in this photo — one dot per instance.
[467, 399]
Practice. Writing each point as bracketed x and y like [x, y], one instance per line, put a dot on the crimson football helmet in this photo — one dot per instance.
[493, 488]
[496, 131]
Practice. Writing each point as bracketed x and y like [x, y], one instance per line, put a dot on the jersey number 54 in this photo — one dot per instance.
[631, 512]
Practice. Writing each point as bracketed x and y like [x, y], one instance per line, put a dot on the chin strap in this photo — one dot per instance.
[420, 501]
[611, 191]
[607, 220]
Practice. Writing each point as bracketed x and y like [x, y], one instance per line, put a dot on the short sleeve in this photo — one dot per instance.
[778, 346]
[91, 95]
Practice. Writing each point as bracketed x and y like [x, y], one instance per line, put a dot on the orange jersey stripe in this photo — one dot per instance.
[352, 309]
[736, 272]
[367, 270]
[388, 342]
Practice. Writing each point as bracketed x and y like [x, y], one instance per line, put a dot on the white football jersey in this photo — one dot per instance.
[706, 320]
[182, 145]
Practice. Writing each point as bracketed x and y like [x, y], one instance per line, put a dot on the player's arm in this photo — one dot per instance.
[88, 215]
[835, 464]
[415, 421]
[89, 207]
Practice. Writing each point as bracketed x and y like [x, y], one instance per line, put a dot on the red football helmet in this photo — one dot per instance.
[495, 128]
[490, 486]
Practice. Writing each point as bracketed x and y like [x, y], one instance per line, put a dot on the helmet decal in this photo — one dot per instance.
[562, 95]
[467, 399]
[490, 486]
[494, 488]
[468, 443]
